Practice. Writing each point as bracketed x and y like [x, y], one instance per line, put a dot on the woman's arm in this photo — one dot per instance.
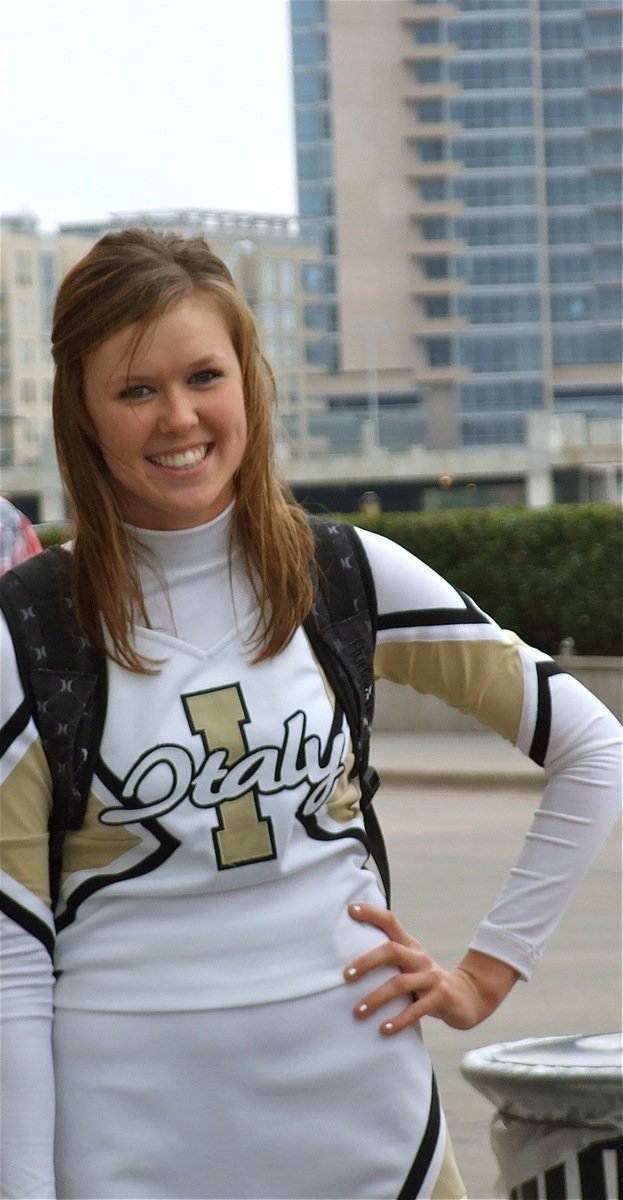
[27, 936]
[439, 642]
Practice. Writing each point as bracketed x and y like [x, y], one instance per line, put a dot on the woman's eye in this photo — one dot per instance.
[138, 391]
[205, 376]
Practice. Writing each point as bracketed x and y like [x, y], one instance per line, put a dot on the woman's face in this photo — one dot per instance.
[170, 417]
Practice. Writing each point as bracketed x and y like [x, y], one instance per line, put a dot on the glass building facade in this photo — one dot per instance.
[516, 158]
[315, 169]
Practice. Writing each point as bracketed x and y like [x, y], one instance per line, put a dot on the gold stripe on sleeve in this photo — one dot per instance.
[483, 678]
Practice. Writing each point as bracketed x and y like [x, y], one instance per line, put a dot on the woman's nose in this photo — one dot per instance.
[178, 412]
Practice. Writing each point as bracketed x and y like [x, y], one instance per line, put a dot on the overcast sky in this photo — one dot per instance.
[115, 105]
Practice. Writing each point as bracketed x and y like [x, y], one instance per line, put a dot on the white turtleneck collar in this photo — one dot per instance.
[189, 588]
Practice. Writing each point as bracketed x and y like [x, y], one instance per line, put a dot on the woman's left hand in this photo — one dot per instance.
[462, 997]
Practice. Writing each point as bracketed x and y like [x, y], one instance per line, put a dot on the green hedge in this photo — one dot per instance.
[548, 573]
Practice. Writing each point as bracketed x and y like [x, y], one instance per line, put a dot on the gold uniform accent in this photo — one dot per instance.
[26, 807]
[449, 1185]
[482, 678]
[95, 845]
[244, 835]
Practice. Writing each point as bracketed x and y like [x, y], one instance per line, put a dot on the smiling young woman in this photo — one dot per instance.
[122, 309]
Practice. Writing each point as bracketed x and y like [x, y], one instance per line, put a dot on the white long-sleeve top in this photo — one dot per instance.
[223, 839]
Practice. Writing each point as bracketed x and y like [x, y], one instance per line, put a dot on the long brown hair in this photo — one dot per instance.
[132, 277]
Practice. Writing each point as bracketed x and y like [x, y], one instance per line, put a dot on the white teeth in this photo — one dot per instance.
[187, 458]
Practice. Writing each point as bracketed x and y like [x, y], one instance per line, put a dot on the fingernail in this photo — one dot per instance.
[387, 1027]
[362, 1008]
[355, 908]
[351, 972]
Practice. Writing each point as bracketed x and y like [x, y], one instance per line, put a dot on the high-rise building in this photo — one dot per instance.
[460, 167]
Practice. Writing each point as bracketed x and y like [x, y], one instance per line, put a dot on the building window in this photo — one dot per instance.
[426, 32]
[492, 114]
[428, 72]
[561, 35]
[587, 346]
[605, 148]
[286, 277]
[571, 308]
[494, 152]
[568, 151]
[433, 189]
[322, 354]
[318, 277]
[23, 267]
[430, 110]
[512, 352]
[310, 87]
[25, 314]
[513, 34]
[437, 306]
[567, 189]
[519, 395]
[309, 48]
[27, 354]
[501, 74]
[28, 392]
[569, 268]
[315, 162]
[269, 276]
[308, 12]
[496, 191]
[312, 125]
[564, 111]
[605, 109]
[563, 73]
[439, 352]
[568, 229]
[500, 309]
[269, 316]
[497, 231]
[432, 150]
[316, 201]
[484, 269]
[288, 316]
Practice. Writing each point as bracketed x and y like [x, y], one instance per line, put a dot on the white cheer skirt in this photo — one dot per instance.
[294, 1100]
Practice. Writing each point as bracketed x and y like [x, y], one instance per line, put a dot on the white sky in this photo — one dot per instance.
[115, 105]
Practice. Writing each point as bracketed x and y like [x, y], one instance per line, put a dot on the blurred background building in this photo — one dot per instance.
[460, 167]
[444, 315]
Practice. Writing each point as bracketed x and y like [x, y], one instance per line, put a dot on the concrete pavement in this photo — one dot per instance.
[468, 760]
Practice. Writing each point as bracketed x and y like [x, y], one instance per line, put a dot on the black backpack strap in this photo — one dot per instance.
[342, 632]
[64, 681]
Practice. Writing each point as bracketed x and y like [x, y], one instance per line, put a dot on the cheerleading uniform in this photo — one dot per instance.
[204, 1043]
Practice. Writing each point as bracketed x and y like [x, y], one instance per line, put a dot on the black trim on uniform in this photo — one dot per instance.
[592, 1168]
[15, 725]
[529, 1189]
[28, 921]
[168, 846]
[424, 617]
[542, 729]
[412, 1184]
[556, 1183]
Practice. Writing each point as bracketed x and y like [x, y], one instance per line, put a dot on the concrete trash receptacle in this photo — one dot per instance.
[558, 1130]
